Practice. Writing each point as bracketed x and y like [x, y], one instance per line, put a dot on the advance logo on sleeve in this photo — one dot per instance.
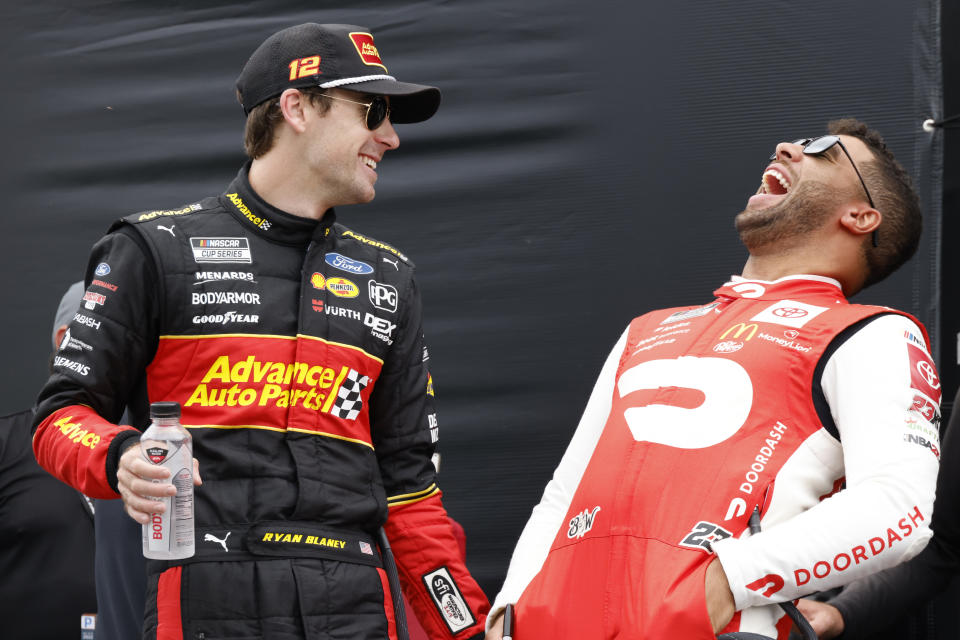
[448, 599]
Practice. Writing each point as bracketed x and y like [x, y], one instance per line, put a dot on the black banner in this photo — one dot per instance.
[585, 166]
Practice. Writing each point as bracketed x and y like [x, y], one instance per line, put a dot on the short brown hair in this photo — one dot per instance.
[894, 197]
[259, 134]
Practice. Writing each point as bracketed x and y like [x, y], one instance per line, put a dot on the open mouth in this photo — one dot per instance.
[370, 162]
[774, 183]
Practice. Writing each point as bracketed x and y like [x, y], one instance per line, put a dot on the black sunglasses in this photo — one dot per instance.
[378, 110]
[819, 146]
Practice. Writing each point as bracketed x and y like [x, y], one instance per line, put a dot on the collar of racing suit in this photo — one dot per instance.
[802, 286]
[266, 220]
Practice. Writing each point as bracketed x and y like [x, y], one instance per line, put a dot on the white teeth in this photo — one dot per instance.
[779, 176]
[370, 162]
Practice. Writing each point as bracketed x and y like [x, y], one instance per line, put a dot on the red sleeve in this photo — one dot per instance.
[434, 576]
[75, 445]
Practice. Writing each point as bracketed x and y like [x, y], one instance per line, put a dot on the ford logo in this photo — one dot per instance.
[350, 265]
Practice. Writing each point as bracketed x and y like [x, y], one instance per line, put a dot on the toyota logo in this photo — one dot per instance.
[929, 374]
[790, 312]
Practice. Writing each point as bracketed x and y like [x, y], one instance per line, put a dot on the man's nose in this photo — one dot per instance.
[788, 152]
[387, 135]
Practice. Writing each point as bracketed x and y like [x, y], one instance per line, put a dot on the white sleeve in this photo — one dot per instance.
[547, 517]
[890, 457]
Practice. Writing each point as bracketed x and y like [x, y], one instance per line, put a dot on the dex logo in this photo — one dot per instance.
[379, 325]
[383, 296]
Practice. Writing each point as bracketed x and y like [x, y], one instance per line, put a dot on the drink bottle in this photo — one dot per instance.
[169, 535]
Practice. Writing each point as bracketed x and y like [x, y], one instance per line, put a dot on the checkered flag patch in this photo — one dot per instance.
[348, 403]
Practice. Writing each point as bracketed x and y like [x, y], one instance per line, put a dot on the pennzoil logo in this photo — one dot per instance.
[740, 329]
[342, 288]
[368, 51]
[262, 223]
[332, 390]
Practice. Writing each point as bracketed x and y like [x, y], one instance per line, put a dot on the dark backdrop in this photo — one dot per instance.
[585, 166]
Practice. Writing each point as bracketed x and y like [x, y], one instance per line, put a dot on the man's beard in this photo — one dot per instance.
[785, 223]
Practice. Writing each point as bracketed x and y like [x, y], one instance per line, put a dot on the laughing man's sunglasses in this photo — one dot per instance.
[819, 146]
[378, 110]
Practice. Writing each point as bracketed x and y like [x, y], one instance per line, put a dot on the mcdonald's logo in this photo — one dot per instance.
[739, 329]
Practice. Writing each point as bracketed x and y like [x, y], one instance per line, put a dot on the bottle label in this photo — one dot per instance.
[156, 455]
[171, 532]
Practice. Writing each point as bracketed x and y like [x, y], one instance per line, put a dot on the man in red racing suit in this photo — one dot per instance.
[765, 400]
[295, 348]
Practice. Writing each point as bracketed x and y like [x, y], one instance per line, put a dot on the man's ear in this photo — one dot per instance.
[62, 329]
[294, 104]
[861, 221]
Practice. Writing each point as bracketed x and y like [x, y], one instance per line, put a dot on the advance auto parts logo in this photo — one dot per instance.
[368, 51]
[243, 383]
[262, 223]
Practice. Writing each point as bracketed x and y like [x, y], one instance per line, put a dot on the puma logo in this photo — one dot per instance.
[170, 229]
[393, 262]
[223, 543]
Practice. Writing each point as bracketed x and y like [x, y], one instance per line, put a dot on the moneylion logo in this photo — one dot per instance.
[739, 329]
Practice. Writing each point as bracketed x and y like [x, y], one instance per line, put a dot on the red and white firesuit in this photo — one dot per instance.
[767, 398]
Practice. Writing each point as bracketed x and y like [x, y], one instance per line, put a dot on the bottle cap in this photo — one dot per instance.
[164, 409]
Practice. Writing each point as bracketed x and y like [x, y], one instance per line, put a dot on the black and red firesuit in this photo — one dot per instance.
[296, 351]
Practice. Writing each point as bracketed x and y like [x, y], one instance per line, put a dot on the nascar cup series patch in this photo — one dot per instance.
[448, 600]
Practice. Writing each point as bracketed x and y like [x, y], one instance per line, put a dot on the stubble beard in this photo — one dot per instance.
[784, 224]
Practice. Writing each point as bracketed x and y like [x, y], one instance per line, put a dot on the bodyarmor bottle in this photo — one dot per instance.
[169, 535]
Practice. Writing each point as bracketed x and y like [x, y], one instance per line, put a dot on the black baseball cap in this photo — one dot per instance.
[330, 56]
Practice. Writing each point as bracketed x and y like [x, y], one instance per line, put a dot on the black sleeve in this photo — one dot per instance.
[871, 605]
[403, 418]
[113, 334]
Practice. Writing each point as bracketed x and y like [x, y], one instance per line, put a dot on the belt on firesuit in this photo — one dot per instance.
[277, 539]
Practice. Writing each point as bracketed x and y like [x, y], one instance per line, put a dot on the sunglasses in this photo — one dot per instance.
[378, 110]
[819, 146]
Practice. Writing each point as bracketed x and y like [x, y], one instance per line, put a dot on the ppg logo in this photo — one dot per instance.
[383, 296]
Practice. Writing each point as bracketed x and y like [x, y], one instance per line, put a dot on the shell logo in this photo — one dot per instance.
[318, 281]
[342, 288]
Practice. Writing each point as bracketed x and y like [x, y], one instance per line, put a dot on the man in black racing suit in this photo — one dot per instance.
[295, 348]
